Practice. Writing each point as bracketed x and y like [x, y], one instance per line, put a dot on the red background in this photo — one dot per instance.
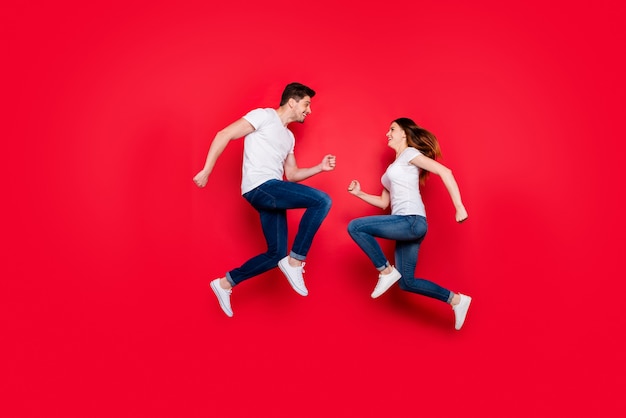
[108, 247]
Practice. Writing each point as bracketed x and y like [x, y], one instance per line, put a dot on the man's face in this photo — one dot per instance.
[302, 108]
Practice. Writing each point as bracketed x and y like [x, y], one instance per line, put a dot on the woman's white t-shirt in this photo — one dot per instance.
[265, 150]
[401, 179]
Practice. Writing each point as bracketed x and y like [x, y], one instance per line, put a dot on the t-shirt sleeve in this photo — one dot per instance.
[411, 153]
[293, 142]
[256, 117]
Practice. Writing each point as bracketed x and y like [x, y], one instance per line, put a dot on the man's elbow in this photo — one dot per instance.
[222, 136]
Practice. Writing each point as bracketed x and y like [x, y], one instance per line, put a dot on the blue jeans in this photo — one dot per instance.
[272, 199]
[408, 231]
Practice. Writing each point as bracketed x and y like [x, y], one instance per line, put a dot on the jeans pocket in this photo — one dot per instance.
[419, 226]
[260, 199]
[249, 196]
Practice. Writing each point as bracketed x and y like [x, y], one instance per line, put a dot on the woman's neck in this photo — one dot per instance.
[400, 150]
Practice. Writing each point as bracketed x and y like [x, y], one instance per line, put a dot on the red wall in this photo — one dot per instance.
[109, 248]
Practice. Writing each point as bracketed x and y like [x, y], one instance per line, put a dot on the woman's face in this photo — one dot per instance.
[396, 138]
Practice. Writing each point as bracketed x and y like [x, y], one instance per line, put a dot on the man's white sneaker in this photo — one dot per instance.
[460, 311]
[385, 281]
[223, 296]
[294, 275]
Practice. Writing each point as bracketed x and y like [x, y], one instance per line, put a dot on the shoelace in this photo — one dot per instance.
[379, 284]
[299, 277]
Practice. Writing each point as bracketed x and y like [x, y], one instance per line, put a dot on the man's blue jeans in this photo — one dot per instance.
[272, 199]
[408, 231]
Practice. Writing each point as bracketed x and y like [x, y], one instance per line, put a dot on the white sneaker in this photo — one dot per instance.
[294, 275]
[385, 281]
[460, 311]
[223, 296]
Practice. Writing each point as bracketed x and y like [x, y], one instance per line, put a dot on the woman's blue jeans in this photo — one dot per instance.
[408, 231]
[272, 199]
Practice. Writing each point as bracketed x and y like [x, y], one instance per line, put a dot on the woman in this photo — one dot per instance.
[416, 152]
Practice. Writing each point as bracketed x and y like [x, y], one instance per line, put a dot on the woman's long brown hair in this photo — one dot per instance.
[422, 140]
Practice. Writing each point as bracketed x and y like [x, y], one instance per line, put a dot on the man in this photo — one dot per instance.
[268, 157]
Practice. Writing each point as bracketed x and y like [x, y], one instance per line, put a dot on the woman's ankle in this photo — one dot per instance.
[387, 270]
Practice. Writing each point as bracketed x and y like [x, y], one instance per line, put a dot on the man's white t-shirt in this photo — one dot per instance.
[265, 149]
[401, 179]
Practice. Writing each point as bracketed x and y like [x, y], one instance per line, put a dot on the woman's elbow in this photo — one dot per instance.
[445, 173]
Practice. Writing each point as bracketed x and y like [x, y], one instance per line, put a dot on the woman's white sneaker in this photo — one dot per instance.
[385, 281]
[460, 311]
